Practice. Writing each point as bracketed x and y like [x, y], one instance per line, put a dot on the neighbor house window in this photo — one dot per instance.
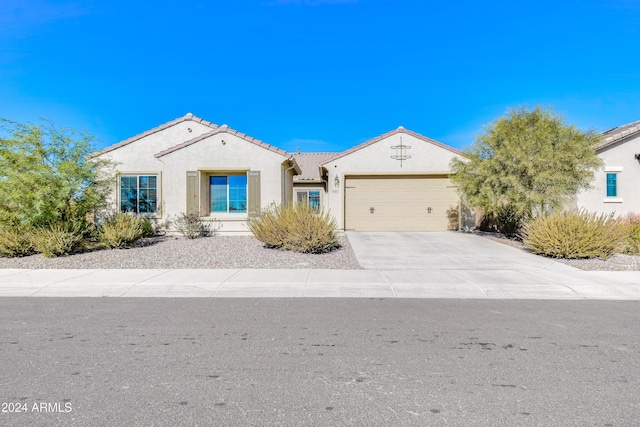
[139, 194]
[310, 197]
[228, 193]
[612, 185]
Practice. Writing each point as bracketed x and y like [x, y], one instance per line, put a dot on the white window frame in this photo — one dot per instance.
[616, 170]
[307, 190]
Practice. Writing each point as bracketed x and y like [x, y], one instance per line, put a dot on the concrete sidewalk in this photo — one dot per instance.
[543, 283]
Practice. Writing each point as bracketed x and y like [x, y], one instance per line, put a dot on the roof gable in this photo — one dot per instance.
[186, 117]
[387, 135]
[228, 130]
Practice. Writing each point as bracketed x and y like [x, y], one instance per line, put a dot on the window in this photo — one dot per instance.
[612, 185]
[139, 194]
[311, 197]
[228, 193]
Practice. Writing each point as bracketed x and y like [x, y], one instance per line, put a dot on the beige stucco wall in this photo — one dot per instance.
[375, 159]
[206, 156]
[620, 159]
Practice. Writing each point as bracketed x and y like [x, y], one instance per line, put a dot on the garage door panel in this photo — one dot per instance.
[399, 203]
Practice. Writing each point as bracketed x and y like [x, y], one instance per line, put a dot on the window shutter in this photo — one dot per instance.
[253, 182]
[192, 192]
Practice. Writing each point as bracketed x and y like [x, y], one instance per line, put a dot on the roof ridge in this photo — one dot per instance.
[186, 117]
[611, 137]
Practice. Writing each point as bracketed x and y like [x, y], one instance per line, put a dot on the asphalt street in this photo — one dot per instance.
[320, 362]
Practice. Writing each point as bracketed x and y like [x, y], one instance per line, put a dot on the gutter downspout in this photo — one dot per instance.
[284, 182]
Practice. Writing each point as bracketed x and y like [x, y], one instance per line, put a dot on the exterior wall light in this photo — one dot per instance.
[336, 181]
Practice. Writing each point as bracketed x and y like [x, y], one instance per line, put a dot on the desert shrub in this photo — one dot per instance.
[57, 240]
[121, 230]
[453, 218]
[631, 223]
[295, 227]
[508, 220]
[15, 241]
[191, 225]
[148, 228]
[574, 234]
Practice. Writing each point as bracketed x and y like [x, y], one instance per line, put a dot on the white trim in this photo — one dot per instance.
[613, 169]
[612, 200]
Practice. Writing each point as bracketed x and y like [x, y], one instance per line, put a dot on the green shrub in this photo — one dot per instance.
[631, 223]
[508, 221]
[122, 230]
[191, 225]
[56, 240]
[295, 227]
[148, 228]
[574, 234]
[15, 241]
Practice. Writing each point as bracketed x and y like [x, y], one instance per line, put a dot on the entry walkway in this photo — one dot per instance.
[528, 283]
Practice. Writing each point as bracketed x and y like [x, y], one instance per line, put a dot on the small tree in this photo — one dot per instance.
[46, 176]
[526, 162]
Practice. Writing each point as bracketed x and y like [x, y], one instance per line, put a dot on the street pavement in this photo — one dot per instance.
[397, 265]
[318, 362]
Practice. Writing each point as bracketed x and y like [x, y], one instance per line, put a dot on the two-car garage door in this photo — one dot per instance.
[398, 203]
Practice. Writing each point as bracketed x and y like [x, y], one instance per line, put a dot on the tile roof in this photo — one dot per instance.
[186, 117]
[391, 133]
[224, 129]
[310, 165]
[619, 133]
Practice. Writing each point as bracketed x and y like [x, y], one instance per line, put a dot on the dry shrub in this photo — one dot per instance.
[453, 218]
[57, 240]
[192, 226]
[574, 234]
[631, 223]
[121, 230]
[295, 227]
[15, 241]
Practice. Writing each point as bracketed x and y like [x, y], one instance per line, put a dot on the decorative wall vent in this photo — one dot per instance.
[401, 152]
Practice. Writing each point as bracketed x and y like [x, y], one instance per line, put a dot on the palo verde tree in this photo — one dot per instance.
[526, 162]
[46, 175]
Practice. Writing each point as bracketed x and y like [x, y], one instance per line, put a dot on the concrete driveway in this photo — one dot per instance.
[446, 250]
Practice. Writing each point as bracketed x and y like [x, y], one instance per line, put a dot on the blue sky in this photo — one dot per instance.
[322, 75]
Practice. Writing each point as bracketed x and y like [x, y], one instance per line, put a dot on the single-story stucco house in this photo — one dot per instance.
[397, 181]
[616, 186]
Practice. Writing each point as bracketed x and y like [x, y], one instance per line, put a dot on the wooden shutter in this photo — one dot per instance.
[192, 192]
[253, 182]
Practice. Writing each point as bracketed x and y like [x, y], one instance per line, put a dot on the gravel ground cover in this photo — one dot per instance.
[209, 252]
[618, 262]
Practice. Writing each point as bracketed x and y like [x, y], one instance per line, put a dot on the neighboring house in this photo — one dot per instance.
[397, 181]
[615, 187]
